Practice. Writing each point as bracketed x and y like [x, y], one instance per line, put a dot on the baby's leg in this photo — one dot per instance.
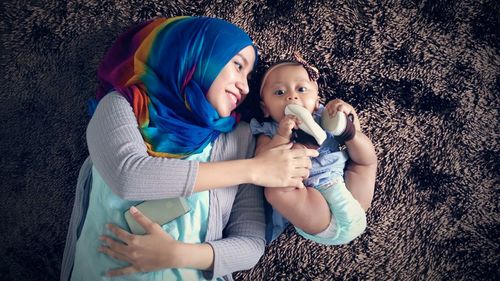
[349, 219]
[305, 208]
[361, 150]
[361, 171]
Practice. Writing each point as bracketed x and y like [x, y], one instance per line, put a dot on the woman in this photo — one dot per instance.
[178, 80]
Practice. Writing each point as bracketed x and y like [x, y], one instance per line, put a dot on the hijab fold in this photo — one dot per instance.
[164, 68]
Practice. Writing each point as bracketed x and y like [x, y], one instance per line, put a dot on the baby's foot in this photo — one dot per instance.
[308, 124]
[340, 125]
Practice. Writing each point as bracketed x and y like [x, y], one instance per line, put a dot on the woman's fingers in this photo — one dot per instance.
[283, 167]
[304, 152]
[298, 183]
[300, 162]
[108, 250]
[283, 146]
[304, 173]
[120, 233]
[142, 220]
[300, 174]
[114, 245]
[122, 271]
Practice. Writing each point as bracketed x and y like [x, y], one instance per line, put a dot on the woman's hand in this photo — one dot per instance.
[337, 105]
[282, 166]
[150, 252]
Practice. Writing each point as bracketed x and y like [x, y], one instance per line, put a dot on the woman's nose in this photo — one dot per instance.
[242, 85]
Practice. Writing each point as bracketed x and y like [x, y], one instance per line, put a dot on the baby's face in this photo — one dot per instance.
[287, 84]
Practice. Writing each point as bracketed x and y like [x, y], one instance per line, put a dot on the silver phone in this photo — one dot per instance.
[160, 211]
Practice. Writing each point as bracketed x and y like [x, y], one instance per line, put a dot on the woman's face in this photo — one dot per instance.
[230, 87]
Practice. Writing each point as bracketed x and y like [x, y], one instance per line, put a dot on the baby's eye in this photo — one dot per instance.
[279, 92]
[302, 89]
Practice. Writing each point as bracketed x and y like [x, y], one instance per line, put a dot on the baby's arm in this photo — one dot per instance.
[282, 136]
[361, 171]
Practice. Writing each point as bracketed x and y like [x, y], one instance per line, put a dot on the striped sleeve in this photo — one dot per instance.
[243, 240]
[119, 154]
[244, 236]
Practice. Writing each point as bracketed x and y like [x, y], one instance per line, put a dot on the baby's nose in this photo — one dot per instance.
[292, 97]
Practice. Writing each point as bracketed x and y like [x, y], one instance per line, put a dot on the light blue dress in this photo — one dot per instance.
[106, 207]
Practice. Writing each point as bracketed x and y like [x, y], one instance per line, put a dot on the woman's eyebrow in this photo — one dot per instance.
[243, 58]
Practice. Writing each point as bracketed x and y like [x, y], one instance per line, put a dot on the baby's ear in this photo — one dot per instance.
[264, 109]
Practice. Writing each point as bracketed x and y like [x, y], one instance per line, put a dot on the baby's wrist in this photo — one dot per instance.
[284, 138]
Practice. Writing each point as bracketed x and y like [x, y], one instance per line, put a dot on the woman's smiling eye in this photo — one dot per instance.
[239, 66]
[279, 92]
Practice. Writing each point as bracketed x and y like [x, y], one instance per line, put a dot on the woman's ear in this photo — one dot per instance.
[264, 109]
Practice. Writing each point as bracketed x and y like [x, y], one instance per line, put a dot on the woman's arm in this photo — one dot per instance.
[244, 235]
[154, 250]
[119, 154]
[241, 248]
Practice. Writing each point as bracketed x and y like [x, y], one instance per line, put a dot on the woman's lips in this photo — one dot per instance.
[234, 98]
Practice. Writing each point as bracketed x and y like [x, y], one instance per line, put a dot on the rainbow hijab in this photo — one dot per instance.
[164, 68]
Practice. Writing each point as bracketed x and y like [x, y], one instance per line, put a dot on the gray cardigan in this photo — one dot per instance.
[236, 223]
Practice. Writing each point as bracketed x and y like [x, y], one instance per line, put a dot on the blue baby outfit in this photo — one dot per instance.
[326, 175]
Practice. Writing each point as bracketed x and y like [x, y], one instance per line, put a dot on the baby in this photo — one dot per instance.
[326, 211]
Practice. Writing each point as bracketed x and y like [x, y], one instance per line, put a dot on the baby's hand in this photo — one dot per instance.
[286, 125]
[337, 105]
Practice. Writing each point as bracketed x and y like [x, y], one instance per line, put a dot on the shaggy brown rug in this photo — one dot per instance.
[424, 76]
